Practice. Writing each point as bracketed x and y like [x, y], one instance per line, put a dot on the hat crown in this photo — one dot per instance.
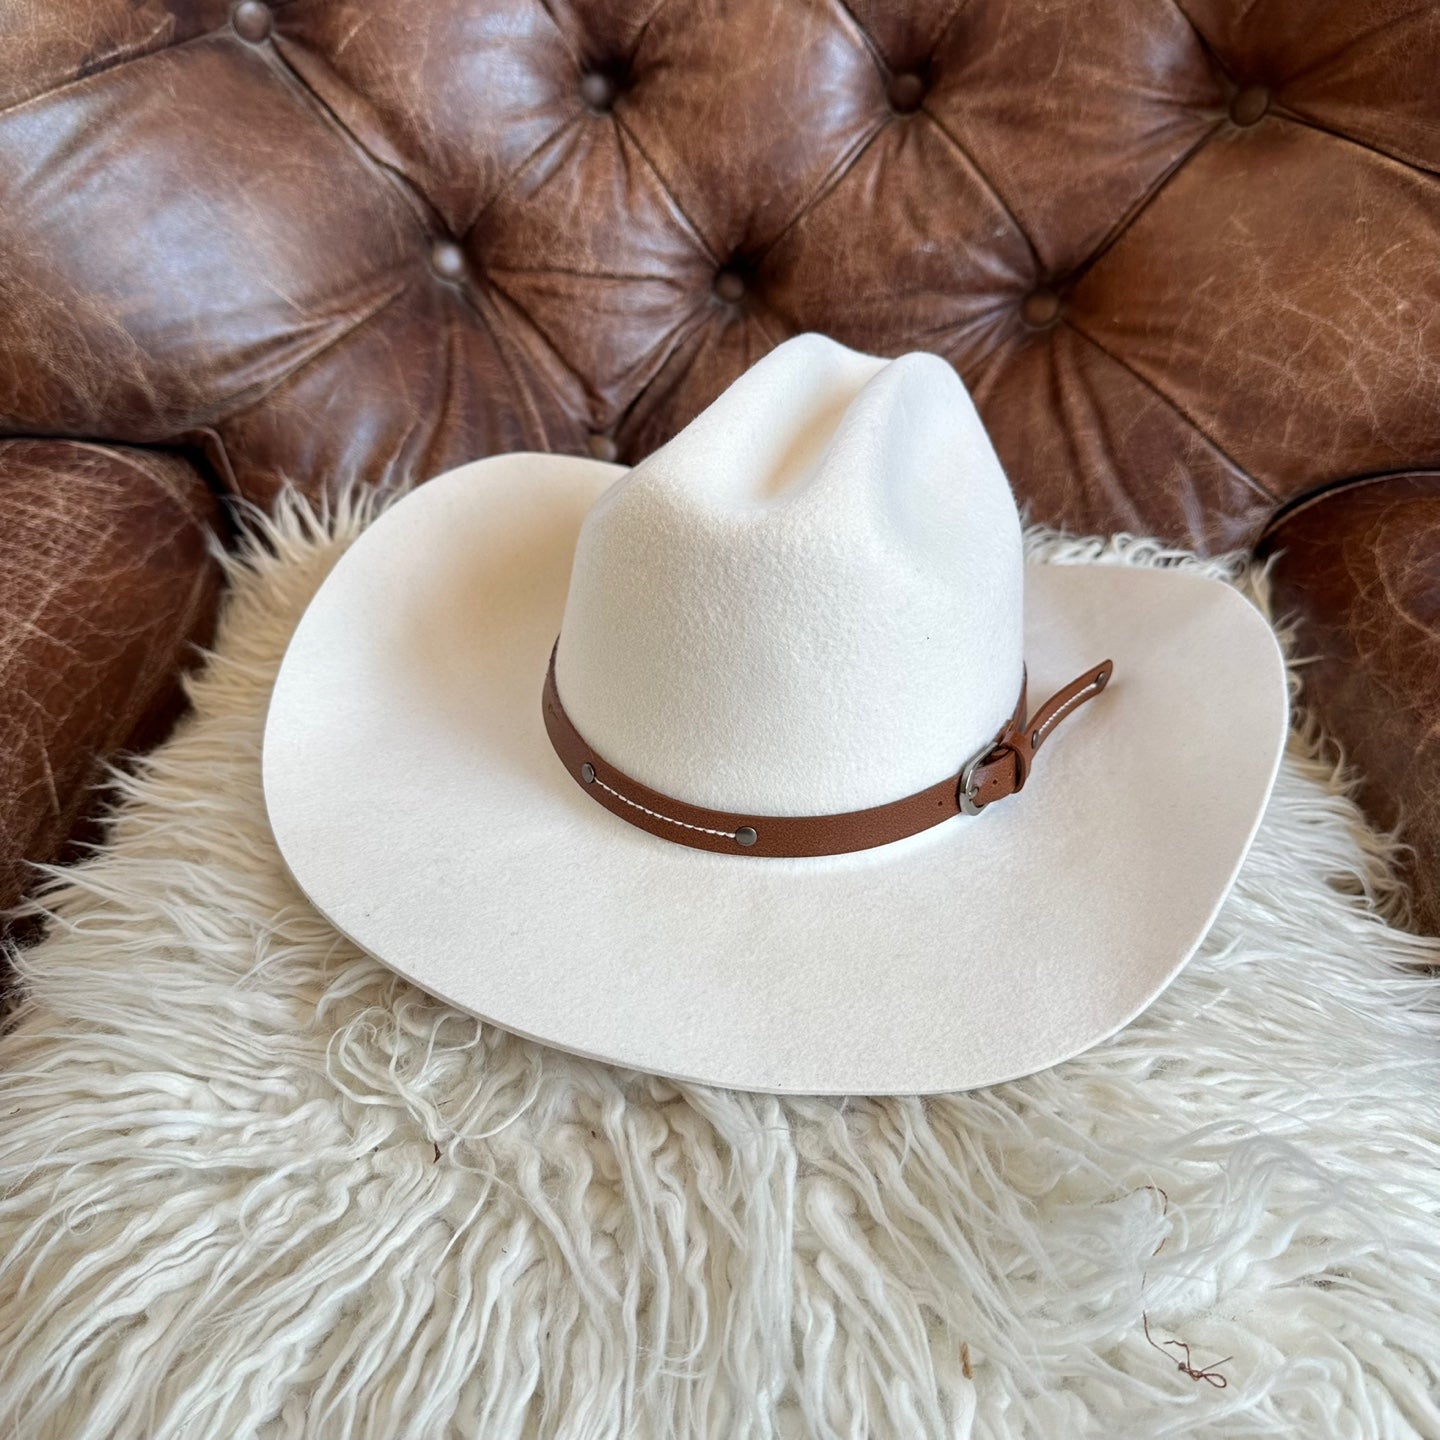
[810, 600]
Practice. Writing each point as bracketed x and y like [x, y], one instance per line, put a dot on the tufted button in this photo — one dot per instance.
[905, 93]
[1041, 308]
[598, 91]
[252, 20]
[603, 447]
[1249, 104]
[730, 287]
[447, 260]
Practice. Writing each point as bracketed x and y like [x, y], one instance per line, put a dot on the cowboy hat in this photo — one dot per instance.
[729, 767]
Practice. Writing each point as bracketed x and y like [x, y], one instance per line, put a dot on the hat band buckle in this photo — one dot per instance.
[998, 771]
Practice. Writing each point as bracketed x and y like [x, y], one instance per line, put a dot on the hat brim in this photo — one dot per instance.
[415, 798]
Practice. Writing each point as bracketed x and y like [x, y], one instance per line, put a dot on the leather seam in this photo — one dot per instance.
[686, 225]
[1287, 115]
[828, 184]
[1290, 76]
[643, 28]
[969, 160]
[691, 325]
[1301, 503]
[947, 25]
[428, 222]
[1261, 490]
[1142, 203]
[246, 400]
[521, 166]
[562, 35]
[130, 455]
[502, 338]
[664, 184]
[867, 40]
[391, 179]
[132, 59]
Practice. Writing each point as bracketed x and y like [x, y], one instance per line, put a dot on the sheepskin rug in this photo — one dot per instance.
[251, 1184]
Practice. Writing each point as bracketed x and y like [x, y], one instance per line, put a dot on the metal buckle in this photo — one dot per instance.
[967, 778]
[994, 751]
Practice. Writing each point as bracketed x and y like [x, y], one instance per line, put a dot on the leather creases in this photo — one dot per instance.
[998, 771]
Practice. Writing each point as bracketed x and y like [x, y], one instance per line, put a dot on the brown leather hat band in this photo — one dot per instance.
[999, 770]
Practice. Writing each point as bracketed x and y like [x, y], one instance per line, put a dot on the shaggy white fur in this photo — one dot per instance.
[253, 1185]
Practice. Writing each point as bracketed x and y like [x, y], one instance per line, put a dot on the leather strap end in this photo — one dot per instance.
[998, 771]
[1005, 767]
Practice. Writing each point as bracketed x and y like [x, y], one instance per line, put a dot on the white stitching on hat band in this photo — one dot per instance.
[669, 819]
[1079, 698]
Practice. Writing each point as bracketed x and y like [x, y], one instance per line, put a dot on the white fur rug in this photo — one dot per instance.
[251, 1185]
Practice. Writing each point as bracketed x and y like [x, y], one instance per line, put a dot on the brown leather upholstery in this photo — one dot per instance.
[1360, 568]
[1186, 252]
[107, 583]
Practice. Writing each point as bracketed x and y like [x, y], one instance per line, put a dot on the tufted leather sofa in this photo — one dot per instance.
[1185, 252]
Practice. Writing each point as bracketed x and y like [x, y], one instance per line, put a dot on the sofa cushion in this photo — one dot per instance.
[107, 584]
[1358, 570]
[1183, 253]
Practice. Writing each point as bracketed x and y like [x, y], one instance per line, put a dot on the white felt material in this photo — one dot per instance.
[255, 1186]
[415, 796]
[810, 600]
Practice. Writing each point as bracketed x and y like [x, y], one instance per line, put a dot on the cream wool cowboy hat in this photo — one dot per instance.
[768, 819]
